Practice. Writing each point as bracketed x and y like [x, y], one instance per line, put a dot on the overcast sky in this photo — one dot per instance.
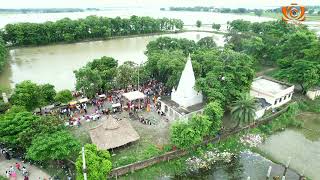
[155, 3]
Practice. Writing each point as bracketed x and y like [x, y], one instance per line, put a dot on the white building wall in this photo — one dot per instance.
[259, 113]
[275, 100]
[313, 94]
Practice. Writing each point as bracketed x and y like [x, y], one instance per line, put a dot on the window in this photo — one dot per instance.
[275, 102]
[289, 95]
[280, 100]
[285, 97]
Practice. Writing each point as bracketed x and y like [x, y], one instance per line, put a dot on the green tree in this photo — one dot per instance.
[59, 145]
[198, 23]
[166, 66]
[13, 124]
[207, 42]
[98, 163]
[126, 72]
[185, 134]
[240, 25]
[26, 94]
[258, 12]
[63, 96]
[302, 72]
[96, 76]
[67, 30]
[40, 126]
[243, 109]
[230, 74]
[215, 113]
[216, 26]
[3, 54]
[47, 94]
[88, 81]
[311, 11]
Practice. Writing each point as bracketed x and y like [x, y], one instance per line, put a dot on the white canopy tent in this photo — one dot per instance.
[134, 95]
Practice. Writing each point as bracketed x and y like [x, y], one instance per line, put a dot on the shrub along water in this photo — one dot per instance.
[3, 54]
[67, 30]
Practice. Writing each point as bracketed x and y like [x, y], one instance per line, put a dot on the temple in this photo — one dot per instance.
[185, 100]
[186, 95]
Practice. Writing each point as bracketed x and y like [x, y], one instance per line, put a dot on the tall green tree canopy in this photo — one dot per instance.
[96, 76]
[32, 95]
[40, 126]
[26, 94]
[63, 96]
[13, 124]
[230, 75]
[59, 145]
[97, 162]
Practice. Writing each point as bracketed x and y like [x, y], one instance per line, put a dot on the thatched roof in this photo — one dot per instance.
[112, 133]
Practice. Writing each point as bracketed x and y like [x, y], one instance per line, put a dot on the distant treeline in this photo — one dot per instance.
[311, 9]
[46, 10]
[67, 30]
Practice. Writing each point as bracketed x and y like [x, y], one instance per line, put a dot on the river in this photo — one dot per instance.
[302, 146]
[55, 64]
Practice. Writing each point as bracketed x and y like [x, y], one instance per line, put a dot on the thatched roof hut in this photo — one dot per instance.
[112, 133]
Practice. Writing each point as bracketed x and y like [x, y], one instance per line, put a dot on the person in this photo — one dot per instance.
[18, 166]
[11, 170]
[7, 174]
[13, 176]
[24, 171]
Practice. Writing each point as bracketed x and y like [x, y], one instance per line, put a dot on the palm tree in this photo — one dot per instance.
[243, 109]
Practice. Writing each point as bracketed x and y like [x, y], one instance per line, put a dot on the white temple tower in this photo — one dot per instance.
[186, 95]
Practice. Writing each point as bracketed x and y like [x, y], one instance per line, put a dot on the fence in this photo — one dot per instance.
[177, 153]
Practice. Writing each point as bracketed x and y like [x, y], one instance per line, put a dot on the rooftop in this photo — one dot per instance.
[112, 133]
[269, 86]
[167, 100]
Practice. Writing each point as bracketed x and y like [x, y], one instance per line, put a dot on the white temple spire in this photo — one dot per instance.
[185, 94]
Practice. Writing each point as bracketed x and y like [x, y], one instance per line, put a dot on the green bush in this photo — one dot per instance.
[4, 107]
[185, 134]
[125, 160]
[150, 151]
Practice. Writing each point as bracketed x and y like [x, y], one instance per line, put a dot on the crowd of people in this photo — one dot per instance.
[11, 173]
[111, 102]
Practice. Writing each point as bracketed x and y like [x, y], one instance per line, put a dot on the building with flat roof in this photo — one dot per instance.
[274, 92]
[185, 100]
